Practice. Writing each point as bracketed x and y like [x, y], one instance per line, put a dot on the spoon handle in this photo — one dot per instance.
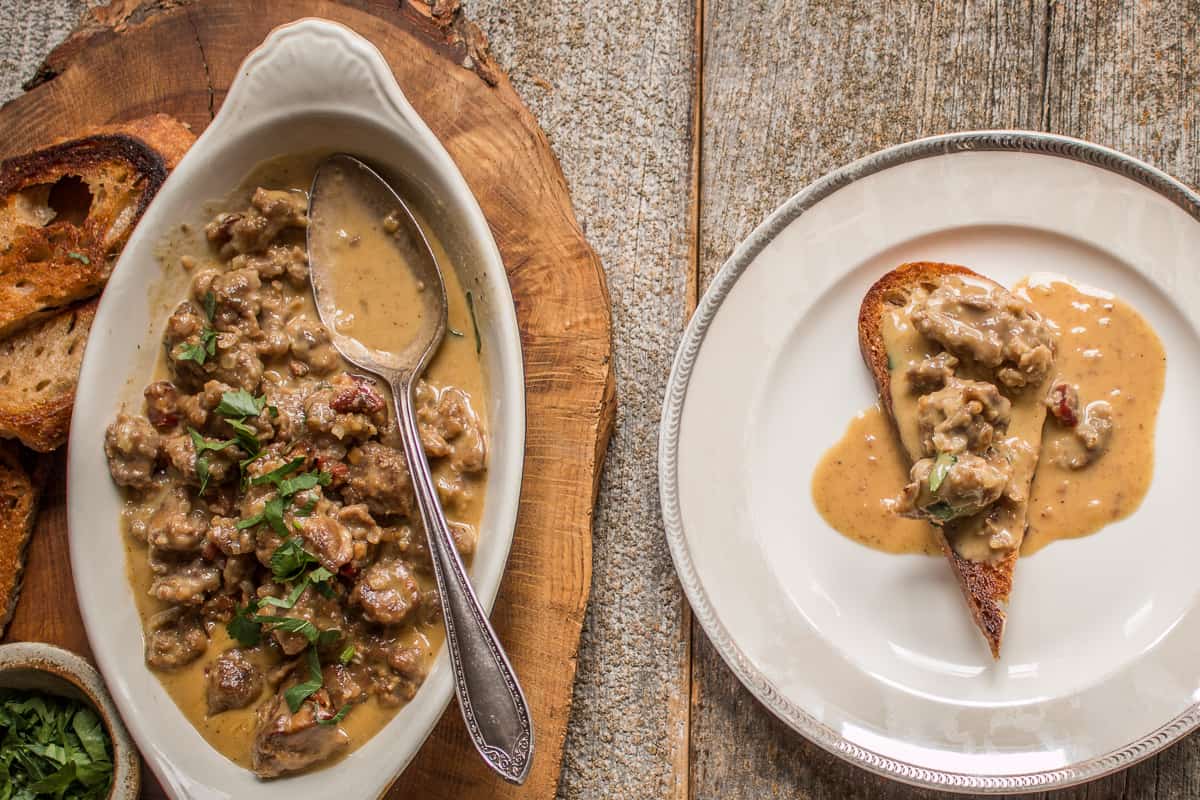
[489, 696]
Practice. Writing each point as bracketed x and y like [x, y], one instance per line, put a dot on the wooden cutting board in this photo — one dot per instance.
[131, 59]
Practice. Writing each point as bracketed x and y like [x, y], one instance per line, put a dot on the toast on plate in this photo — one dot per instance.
[929, 374]
[65, 213]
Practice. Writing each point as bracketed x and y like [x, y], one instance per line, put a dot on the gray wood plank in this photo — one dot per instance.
[611, 85]
[799, 88]
[28, 29]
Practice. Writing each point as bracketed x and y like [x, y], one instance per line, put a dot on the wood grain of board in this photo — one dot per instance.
[129, 59]
[794, 89]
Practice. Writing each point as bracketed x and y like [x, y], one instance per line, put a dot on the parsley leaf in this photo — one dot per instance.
[249, 522]
[279, 473]
[201, 465]
[303, 482]
[273, 514]
[336, 718]
[202, 446]
[80, 257]
[247, 437]
[290, 600]
[240, 403]
[290, 625]
[207, 346]
[296, 695]
[290, 559]
[198, 352]
[243, 628]
[347, 654]
[941, 468]
[942, 512]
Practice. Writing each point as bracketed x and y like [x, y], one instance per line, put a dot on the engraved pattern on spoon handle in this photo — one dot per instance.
[492, 703]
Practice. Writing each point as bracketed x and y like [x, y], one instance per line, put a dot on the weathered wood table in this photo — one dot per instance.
[680, 124]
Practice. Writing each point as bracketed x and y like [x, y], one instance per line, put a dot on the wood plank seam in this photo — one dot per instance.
[1047, 29]
[693, 299]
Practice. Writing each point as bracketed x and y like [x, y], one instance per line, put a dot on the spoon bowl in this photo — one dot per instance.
[343, 182]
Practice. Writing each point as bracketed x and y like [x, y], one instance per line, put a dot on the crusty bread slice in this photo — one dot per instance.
[89, 193]
[39, 367]
[985, 585]
[66, 211]
[18, 511]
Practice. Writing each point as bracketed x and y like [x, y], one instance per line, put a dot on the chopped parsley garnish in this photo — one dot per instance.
[943, 512]
[240, 404]
[290, 600]
[296, 695]
[336, 718]
[286, 488]
[80, 257]
[474, 323]
[52, 747]
[208, 337]
[290, 560]
[941, 468]
[303, 482]
[243, 628]
[347, 654]
[203, 446]
[278, 474]
[199, 352]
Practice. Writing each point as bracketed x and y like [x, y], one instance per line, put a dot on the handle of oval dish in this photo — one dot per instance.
[489, 695]
[315, 64]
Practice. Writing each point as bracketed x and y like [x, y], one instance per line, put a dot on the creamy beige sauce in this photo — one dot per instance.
[456, 363]
[1112, 354]
[906, 347]
[855, 483]
[364, 250]
[1104, 346]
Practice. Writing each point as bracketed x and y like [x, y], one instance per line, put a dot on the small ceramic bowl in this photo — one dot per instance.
[50, 669]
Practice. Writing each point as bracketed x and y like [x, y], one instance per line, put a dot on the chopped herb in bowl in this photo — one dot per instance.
[52, 746]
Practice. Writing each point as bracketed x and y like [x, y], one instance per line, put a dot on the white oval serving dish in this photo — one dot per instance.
[312, 85]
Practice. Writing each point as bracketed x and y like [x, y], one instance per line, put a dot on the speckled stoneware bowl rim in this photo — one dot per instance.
[681, 372]
[63, 665]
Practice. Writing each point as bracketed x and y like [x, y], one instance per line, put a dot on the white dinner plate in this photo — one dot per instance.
[312, 85]
[874, 656]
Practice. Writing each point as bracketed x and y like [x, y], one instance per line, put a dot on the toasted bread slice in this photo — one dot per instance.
[985, 584]
[65, 213]
[18, 511]
[39, 367]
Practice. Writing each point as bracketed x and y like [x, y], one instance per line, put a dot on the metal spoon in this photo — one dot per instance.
[492, 703]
